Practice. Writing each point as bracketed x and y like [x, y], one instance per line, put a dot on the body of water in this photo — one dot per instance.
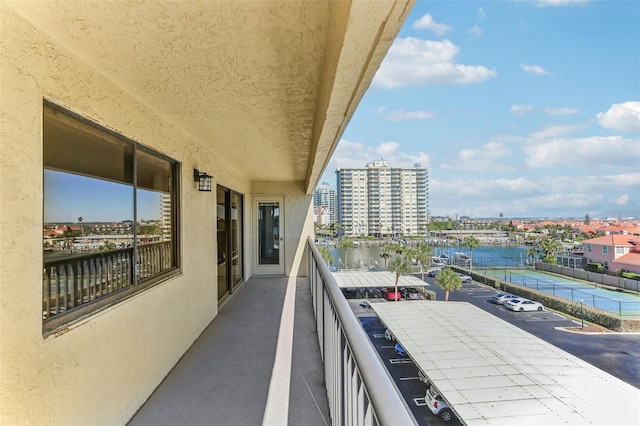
[483, 256]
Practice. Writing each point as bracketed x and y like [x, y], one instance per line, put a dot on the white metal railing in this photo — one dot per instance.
[359, 389]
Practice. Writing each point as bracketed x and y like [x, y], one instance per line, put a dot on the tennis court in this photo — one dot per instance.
[592, 294]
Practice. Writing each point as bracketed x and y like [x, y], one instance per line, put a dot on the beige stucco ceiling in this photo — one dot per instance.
[267, 85]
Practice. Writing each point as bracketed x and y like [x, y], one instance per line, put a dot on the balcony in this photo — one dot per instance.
[247, 369]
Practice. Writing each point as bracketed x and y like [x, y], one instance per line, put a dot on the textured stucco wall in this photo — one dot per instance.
[101, 370]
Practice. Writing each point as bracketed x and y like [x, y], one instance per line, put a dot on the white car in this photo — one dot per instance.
[519, 304]
[433, 272]
[500, 298]
[388, 335]
[465, 278]
[437, 405]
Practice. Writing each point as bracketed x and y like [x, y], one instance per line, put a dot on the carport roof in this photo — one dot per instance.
[492, 372]
[375, 279]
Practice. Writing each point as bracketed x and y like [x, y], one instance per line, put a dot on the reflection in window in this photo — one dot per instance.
[109, 217]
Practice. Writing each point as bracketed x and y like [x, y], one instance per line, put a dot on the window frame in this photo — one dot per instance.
[57, 322]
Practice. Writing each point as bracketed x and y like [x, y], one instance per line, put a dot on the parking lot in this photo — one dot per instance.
[615, 353]
[403, 372]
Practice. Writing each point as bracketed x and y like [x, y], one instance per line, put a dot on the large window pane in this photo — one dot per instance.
[106, 235]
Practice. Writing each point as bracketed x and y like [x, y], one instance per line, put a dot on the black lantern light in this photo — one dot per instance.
[203, 179]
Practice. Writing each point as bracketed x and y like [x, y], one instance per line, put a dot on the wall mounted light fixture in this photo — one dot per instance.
[203, 179]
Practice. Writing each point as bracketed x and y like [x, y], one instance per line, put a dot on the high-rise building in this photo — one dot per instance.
[383, 201]
[325, 204]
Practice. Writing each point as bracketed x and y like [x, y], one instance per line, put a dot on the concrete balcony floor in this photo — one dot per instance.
[225, 377]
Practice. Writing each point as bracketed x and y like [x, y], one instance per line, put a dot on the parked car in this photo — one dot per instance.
[369, 293]
[500, 298]
[465, 278]
[519, 304]
[410, 293]
[389, 335]
[349, 293]
[423, 378]
[391, 294]
[400, 350]
[437, 404]
[433, 272]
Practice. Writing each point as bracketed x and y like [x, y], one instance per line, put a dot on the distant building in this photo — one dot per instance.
[614, 252]
[383, 201]
[325, 204]
[165, 216]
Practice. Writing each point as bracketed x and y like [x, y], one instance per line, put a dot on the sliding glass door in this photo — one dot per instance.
[230, 212]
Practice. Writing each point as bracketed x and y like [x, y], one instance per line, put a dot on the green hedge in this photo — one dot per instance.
[595, 267]
[590, 314]
[430, 294]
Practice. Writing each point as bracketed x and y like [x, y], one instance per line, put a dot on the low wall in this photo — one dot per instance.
[595, 277]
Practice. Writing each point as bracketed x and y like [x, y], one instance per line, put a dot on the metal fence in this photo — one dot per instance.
[72, 281]
[588, 293]
[358, 388]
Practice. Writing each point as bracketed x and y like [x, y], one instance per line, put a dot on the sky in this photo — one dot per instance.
[68, 197]
[526, 108]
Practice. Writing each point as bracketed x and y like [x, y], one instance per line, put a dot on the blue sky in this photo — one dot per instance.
[68, 196]
[526, 108]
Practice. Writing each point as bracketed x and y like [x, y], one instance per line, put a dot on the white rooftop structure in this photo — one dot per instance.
[491, 372]
[375, 279]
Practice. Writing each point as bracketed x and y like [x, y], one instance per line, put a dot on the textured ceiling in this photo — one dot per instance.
[267, 85]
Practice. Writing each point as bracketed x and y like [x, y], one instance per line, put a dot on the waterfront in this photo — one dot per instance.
[483, 256]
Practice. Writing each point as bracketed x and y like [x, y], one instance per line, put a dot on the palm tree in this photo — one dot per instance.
[80, 219]
[386, 252]
[448, 281]
[400, 265]
[471, 242]
[531, 253]
[500, 226]
[423, 254]
[549, 247]
[326, 255]
[346, 243]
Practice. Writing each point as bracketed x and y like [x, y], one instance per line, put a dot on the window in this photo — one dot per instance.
[110, 218]
[605, 249]
[620, 250]
[589, 248]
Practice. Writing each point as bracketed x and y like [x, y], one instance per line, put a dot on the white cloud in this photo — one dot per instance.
[427, 23]
[488, 156]
[556, 130]
[545, 3]
[520, 109]
[622, 200]
[597, 152]
[415, 62]
[533, 69]
[476, 30]
[481, 13]
[624, 117]
[400, 115]
[356, 154]
[561, 111]
[548, 196]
